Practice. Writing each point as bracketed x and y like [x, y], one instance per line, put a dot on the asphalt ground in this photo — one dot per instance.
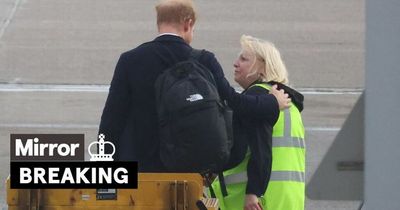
[57, 59]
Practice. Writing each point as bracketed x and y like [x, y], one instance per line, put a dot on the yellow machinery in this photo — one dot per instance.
[156, 191]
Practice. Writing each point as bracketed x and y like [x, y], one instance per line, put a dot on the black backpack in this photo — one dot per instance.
[195, 127]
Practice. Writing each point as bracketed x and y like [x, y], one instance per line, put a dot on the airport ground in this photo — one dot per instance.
[57, 59]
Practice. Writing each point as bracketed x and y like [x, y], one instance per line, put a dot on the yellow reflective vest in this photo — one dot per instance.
[286, 188]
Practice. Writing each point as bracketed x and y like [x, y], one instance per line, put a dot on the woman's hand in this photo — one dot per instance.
[251, 202]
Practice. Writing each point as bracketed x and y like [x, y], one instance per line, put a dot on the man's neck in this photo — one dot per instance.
[167, 29]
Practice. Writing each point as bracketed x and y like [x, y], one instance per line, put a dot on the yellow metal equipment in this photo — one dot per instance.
[156, 191]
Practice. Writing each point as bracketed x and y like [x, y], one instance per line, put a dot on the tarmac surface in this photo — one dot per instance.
[57, 59]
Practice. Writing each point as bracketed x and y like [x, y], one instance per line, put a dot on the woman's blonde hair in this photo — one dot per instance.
[273, 68]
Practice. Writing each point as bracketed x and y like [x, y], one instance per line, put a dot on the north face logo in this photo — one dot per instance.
[194, 97]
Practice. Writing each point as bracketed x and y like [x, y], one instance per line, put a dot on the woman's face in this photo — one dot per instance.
[243, 69]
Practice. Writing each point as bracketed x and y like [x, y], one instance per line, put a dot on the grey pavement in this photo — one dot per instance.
[78, 42]
[73, 45]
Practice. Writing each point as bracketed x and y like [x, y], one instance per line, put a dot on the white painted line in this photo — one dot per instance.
[323, 129]
[52, 88]
[330, 91]
[41, 125]
[96, 126]
[9, 18]
[104, 88]
[325, 91]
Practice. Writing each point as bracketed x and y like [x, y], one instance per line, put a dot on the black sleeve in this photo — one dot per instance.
[260, 107]
[260, 143]
[116, 109]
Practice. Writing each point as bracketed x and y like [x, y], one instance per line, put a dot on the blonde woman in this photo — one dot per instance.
[267, 165]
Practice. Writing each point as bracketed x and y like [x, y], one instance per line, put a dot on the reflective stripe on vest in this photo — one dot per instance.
[287, 140]
[293, 176]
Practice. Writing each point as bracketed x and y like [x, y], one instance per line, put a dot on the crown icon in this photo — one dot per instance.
[101, 156]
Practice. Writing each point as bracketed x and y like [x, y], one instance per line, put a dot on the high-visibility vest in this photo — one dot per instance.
[286, 188]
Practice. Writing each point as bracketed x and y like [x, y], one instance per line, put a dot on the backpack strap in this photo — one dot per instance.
[222, 184]
[209, 178]
[172, 59]
[195, 54]
[169, 60]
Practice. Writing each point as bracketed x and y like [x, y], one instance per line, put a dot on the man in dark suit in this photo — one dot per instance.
[129, 118]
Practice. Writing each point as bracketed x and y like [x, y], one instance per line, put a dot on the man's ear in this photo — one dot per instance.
[187, 25]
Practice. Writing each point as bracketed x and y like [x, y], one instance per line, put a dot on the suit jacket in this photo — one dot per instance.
[129, 118]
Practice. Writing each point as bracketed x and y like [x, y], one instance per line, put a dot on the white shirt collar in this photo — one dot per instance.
[173, 34]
